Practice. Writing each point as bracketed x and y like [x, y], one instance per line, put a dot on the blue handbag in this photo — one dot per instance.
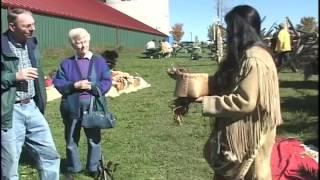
[98, 119]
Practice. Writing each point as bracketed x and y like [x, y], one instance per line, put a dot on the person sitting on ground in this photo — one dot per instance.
[165, 48]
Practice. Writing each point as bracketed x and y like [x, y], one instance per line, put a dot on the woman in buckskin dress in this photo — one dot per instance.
[245, 104]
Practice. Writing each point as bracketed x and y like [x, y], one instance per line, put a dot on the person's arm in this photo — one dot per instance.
[242, 101]
[105, 82]
[8, 78]
[60, 81]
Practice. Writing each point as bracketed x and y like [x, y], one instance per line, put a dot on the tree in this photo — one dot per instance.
[308, 24]
[177, 32]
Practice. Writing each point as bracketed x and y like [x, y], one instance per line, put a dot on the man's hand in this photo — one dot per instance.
[27, 74]
[83, 85]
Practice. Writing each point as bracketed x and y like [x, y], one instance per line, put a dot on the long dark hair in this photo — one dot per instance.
[243, 31]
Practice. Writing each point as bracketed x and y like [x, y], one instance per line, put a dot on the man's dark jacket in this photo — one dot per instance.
[9, 67]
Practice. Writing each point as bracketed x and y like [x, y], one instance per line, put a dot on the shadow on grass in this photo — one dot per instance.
[299, 84]
[63, 166]
[194, 65]
[307, 103]
[303, 124]
[142, 57]
[26, 162]
[313, 141]
[26, 159]
[155, 58]
[182, 56]
[299, 125]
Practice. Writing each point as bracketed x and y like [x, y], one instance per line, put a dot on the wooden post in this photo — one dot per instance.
[117, 37]
[219, 44]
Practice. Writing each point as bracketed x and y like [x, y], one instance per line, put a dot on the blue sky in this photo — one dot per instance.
[197, 15]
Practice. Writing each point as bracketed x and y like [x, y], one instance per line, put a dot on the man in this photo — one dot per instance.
[23, 101]
[151, 45]
[283, 48]
[150, 49]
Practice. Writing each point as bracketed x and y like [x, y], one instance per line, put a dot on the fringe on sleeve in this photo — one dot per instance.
[244, 136]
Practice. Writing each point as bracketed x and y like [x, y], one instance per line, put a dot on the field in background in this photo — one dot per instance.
[146, 142]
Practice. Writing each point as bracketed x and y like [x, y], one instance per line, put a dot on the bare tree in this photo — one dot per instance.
[177, 32]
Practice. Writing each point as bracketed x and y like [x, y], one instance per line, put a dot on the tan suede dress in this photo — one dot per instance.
[245, 120]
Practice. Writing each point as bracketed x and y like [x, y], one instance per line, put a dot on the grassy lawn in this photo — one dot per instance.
[147, 143]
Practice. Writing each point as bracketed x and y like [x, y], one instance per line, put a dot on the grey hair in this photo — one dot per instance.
[14, 13]
[78, 33]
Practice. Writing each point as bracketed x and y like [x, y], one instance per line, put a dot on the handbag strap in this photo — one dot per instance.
[91, 66]
[91, 104]
[92, 100]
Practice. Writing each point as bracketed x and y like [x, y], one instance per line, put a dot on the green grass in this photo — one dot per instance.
[147, 143]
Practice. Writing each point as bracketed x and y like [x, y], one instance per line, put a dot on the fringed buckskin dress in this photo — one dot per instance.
[240, 144]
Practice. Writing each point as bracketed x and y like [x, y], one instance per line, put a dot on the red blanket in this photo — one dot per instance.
[291, 162]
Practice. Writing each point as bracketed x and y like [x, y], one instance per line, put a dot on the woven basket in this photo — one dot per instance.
[192, 85]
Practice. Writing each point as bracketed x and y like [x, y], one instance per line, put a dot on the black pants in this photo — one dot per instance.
[284, 60]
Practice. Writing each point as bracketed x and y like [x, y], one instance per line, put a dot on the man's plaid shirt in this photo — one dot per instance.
[24, 62]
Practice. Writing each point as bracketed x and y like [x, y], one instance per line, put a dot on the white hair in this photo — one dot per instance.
[78, 33]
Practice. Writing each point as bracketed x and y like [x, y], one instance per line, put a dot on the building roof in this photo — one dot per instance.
[92, 11]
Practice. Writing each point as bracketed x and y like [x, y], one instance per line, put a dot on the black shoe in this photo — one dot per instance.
[69, 176]
[93, 174]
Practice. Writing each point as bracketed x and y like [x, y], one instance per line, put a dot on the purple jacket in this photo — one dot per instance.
[68, 73]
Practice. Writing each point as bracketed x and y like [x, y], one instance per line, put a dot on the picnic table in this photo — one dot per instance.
[188, 47]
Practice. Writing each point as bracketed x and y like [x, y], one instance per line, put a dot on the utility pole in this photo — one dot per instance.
[219, 11]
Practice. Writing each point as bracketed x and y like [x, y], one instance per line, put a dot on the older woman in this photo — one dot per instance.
[246, 103]
[78, 78]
